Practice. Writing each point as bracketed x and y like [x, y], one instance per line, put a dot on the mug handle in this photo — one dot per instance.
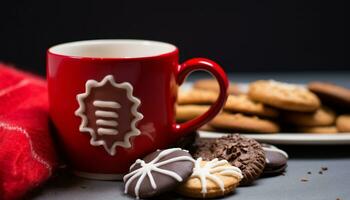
[213, 68]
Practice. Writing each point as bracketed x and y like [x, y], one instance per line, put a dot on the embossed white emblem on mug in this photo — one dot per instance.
[109, 112]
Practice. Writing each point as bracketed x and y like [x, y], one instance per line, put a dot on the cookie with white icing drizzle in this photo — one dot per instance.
[158, 172]
[211, 179]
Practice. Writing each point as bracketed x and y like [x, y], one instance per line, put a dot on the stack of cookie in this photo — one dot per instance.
[338, 98]
[304, 109]
[300, 109]
[240, 113]
[269, 106]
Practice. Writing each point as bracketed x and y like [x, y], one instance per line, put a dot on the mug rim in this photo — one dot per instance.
[52, 49]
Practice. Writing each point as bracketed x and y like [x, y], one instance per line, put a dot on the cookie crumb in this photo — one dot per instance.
[283, 174]
[338, 199]
[324, 168]
[320, 172]
[304, 179]
[308, 172]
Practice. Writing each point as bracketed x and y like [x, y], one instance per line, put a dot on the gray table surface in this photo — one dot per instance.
[332, 184]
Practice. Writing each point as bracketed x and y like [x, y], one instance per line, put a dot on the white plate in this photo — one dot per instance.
[290, 138]
[284, 138]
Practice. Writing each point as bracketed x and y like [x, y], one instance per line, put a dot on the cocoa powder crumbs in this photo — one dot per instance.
[304, 179]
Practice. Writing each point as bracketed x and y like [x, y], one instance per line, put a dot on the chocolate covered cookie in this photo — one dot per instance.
[242, 152]
[158, 172]
[331, 94]
[276, 160]
[211, 179]
[202, 148]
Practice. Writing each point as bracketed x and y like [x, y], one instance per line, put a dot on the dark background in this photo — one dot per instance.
[242, 35]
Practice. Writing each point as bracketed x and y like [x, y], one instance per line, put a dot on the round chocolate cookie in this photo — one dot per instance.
[244, 153]
[158, 172]
[202, 148]
[276, 160]
[331, 94]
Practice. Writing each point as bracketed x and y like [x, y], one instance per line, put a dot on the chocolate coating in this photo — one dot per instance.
[333, 95]
[244, 153]
[164, 183]
[276, 160]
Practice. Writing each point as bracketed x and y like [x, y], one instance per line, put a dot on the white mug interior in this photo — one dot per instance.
[114, 48]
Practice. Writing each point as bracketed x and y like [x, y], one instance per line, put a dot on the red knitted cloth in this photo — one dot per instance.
[27, 156]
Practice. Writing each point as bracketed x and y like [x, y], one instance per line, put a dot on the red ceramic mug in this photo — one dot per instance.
[113, 101]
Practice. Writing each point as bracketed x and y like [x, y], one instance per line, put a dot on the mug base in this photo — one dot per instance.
[99, 176]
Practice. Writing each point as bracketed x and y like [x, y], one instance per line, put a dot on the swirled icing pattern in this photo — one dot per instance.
[211, 169]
